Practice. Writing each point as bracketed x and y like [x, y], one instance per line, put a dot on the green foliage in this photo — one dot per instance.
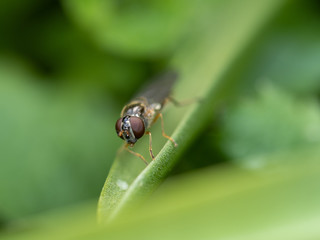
[247, 162]
[50, 143]
[126, 169]
[274, 121]
[221, 202]
[289, 52]
[124, 26]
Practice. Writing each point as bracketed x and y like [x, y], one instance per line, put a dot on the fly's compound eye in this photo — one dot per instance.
[137, 126]
[118, 127]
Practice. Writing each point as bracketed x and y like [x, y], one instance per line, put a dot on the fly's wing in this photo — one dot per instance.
[159, 88]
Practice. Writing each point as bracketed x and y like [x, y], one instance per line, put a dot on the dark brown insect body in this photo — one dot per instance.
[138, 116]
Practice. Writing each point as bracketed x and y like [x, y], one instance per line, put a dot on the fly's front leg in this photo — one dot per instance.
[126, 147]
[182, 103]
[150, 145]
[164, 134]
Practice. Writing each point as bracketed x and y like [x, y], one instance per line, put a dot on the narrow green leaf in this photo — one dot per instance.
[223, 31]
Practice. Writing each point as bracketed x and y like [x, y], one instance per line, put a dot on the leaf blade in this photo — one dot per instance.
[218, 52]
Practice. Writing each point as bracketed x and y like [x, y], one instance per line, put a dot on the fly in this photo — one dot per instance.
[143, 110]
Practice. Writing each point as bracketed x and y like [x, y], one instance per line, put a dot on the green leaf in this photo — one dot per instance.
[202, 63]
[279, 201]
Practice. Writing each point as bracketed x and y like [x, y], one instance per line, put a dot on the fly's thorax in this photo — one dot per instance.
[151, 113]
[156, 106]
[134, 108]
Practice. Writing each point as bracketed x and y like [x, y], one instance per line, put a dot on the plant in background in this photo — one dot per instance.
[246, 165]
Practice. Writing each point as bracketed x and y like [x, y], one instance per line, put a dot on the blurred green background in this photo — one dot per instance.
[67, 68]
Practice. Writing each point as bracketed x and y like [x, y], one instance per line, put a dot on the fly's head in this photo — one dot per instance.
[130, 128]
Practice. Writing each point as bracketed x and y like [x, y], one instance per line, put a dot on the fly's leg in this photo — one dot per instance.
[150, 144]
[164, 134]
[182, 103]
[136, 154]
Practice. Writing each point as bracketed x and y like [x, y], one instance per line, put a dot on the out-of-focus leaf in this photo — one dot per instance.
[12, 11]
[218, 45]
[134, 28]
[227, 202]
[65, 54]
[273, 121]
[51, 143]
[288, 53]
[282, 61]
